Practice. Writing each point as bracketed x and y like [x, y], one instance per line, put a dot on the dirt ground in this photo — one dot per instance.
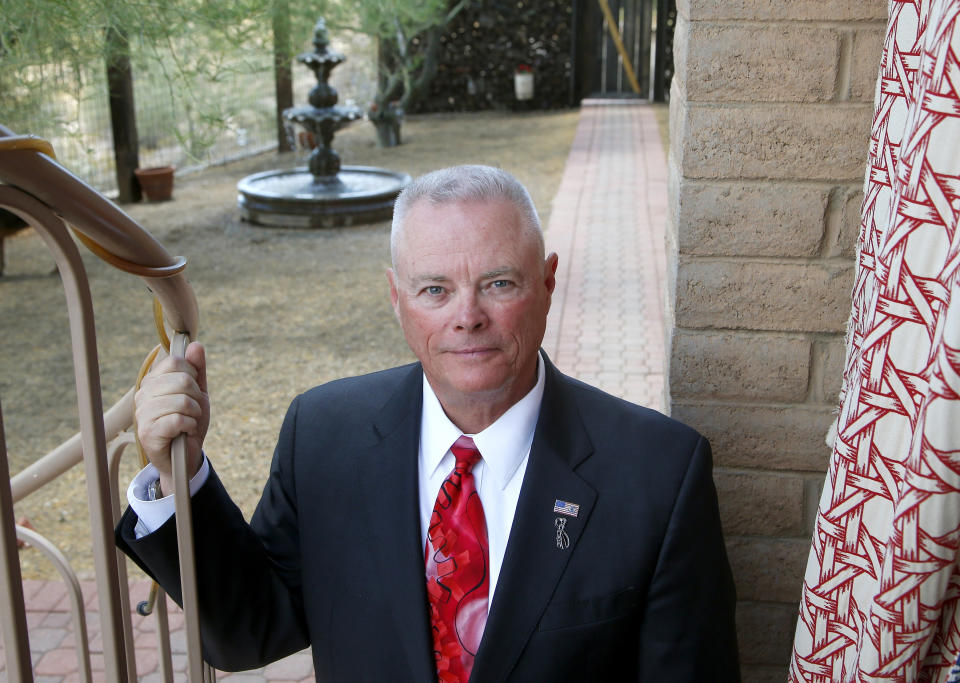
[281, 310]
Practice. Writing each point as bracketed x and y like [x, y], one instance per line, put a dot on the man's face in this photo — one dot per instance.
[471, 291]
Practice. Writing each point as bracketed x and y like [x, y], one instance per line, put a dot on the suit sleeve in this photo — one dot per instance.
[688, 631]
[249, 595]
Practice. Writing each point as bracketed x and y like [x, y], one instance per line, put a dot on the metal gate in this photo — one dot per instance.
[624, 48]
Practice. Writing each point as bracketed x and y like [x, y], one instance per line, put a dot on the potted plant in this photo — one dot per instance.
[387, 121]
[408, 35]
[156, 183]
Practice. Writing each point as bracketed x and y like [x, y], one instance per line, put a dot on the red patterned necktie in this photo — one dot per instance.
[458, 578]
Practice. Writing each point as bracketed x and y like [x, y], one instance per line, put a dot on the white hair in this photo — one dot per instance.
[469, 183]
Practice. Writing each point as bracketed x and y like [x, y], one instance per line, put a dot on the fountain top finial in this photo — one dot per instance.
[322, 60]
[321, 37]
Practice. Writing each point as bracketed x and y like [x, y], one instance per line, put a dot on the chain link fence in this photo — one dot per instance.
[225, 111]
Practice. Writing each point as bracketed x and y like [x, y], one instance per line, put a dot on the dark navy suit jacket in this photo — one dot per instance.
[333, 556]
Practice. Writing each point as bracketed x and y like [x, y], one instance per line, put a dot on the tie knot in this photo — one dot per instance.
[466, 453]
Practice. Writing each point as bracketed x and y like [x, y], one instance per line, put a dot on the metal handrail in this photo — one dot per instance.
[121, 411]
[47, 196]
[62, 565]
[37, 474]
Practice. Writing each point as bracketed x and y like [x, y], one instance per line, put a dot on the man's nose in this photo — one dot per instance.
[470, 314]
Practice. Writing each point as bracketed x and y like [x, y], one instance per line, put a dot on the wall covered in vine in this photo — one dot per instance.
[487, 42]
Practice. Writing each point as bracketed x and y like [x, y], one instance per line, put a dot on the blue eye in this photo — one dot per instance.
[434, 290]
[498, 284]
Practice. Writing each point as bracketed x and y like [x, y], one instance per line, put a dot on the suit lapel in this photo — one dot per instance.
[534, 560]
[389, 483]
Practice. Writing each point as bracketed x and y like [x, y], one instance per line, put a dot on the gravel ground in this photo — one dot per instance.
[281, 309]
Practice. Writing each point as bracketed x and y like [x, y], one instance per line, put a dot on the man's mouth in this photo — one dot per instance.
[473, 351]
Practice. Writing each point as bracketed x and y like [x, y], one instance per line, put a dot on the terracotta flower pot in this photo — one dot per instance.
[156, 183]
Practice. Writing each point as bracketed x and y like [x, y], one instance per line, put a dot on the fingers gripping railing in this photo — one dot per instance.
[47, 196]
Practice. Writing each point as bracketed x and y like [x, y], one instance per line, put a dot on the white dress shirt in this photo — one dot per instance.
[151, 514]
[504, 448]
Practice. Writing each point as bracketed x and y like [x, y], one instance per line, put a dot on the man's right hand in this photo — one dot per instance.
[173, 400]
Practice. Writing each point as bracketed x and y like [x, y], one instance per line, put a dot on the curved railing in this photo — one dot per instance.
[48, 197]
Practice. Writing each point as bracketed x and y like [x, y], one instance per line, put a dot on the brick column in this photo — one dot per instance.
[770, 114]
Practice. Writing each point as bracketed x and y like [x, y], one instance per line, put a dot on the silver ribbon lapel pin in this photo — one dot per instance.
[568, 509]
[563, 541]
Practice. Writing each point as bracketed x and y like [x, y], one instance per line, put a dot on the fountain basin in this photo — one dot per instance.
[297, 199]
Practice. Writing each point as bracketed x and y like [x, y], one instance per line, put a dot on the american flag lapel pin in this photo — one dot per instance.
[564, 507]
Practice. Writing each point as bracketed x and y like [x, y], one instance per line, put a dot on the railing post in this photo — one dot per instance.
[184, 521]
[115, 450]
[89, 408]
[13, 618]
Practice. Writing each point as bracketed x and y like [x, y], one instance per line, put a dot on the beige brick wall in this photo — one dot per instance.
[769, 124]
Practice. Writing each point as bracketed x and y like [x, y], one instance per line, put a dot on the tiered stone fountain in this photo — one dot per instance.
[324, 194]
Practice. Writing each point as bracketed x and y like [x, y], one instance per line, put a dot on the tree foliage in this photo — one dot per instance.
[408, 32]
[46, 31]
[184, 45]
[49, 49]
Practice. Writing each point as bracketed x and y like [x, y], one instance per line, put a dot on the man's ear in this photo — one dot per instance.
[550, 271]
[394, 295]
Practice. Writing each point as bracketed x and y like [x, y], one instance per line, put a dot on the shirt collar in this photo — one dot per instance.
[503, 445]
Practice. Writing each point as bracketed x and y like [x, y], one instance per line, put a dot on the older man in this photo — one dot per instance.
[473, 515]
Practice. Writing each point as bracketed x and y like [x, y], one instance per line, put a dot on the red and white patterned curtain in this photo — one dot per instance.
[880, 594]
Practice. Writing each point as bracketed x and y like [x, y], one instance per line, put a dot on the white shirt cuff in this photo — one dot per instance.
[152, 514]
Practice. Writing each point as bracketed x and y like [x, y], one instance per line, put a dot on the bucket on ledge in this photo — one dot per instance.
[156, 183]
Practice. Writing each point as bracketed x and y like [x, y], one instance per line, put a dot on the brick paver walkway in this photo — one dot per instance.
[606, 327]
[54, 650]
